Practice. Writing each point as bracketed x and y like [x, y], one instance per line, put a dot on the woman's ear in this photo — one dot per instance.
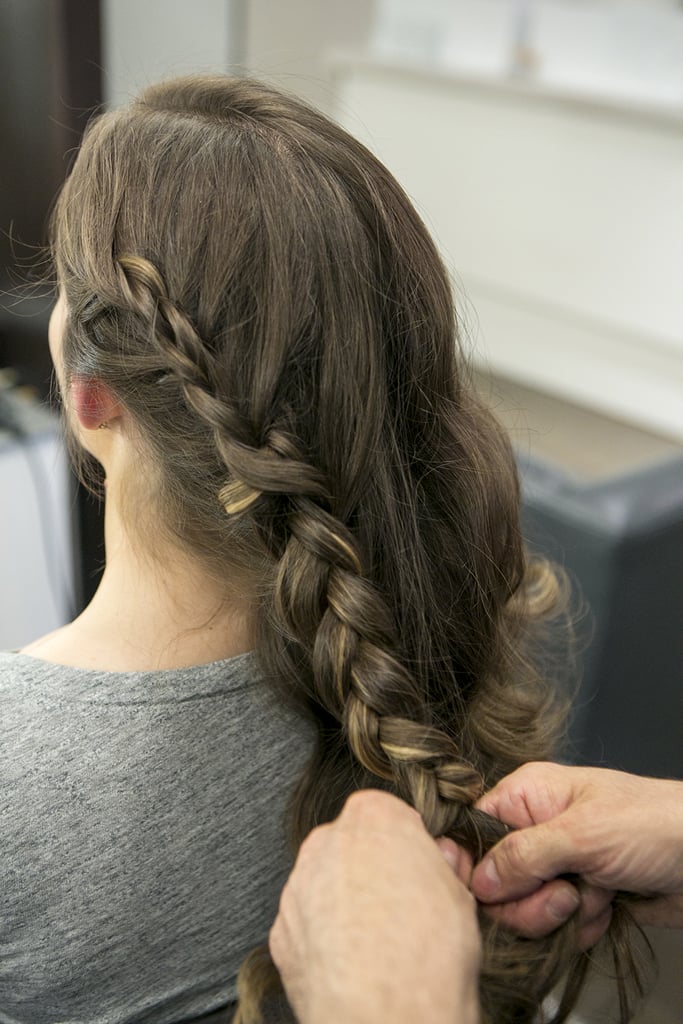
[93, 403]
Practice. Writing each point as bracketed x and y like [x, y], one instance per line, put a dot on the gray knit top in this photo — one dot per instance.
[142, 850]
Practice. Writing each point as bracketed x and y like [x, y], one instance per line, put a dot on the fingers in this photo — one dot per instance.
[552, 905]
[596, 903]
[534, 793]
[451, 853]
[276, 942]
[546, 909]
[522, 861]
[540, 913]
[592, 932]
[379, 811]
[458, 859]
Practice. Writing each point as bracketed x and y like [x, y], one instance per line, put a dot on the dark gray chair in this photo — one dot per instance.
[621, 538]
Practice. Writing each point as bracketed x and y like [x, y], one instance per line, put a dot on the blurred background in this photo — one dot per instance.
[542, 142]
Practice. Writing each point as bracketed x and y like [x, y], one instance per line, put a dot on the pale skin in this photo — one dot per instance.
[617, 831]
[374, 925]
[368, 930]
[156, 606]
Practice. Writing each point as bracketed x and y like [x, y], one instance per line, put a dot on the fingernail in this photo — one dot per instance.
[563, 903]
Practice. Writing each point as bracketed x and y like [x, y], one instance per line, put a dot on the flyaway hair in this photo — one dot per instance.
[258, 291]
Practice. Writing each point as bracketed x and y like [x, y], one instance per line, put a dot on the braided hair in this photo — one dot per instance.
[260, 294]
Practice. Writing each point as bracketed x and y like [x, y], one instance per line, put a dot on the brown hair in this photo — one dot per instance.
[260, 294]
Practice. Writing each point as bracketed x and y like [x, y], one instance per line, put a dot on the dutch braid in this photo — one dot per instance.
[325, 606]
[356, 669]
[359, 679]
[230, 337]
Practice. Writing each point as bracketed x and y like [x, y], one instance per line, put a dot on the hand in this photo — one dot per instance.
[616, 831]
[374, 924]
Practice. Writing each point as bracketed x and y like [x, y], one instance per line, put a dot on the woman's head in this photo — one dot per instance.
[259, 295]
[247, 278]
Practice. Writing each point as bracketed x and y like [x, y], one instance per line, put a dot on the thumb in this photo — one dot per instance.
[522, 861]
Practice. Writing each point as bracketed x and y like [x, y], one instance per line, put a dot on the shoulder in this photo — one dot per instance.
[15, 664]
[43, 642]
[58, 649]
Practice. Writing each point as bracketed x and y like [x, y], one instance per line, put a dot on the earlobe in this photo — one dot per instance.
[92, 402]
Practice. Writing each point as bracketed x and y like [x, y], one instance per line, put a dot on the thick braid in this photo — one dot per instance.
[335, 628]
[325, 605]
[322, 597]
[387, 728]
[359, 679]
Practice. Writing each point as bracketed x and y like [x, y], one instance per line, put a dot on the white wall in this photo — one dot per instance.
[628, 48]
[35, 537]
[146, 40]
[288, 41]
[563, 223]
[562, 219]
[284, 41]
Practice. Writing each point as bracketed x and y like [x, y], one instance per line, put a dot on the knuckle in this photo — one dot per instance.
[512, 857]
[363, 801]
[315, 842]
[377, 807]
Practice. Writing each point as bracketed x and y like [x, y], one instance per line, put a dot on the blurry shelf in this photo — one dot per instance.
[515, 85]
[560, 218]
[582, 442]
